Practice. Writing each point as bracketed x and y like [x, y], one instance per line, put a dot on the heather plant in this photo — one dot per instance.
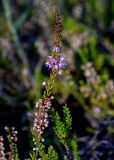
[12, 140]
[55, 63]
[96, 87]
[99, 94]
[44, 112]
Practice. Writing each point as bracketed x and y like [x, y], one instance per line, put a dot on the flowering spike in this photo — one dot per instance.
[55, 62]
[2, 154]
[57, 26]
[57, 29]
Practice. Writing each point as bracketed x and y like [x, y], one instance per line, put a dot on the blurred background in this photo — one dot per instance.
[26, 35]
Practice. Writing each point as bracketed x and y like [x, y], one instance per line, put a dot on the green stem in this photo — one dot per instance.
[50, 84]
[7, 11]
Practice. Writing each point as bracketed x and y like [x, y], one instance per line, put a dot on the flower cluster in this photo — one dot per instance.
[109, 88]
[56, 63]
[107, 91]
[56, 60]
[90, 73]
[41, 116]
[13, 134]
[12, 138]
[2, 154]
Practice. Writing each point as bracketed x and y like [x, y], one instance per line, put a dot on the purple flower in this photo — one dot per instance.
[61, 64]
[51, 62]
[56, 49]
[56, 63]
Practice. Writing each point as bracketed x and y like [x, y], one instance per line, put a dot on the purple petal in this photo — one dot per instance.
[50, 57]
[56, 49]
[48, 64]
[56, 66]
[62, 65]
[61, 57]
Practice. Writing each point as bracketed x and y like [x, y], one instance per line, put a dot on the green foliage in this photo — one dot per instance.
[95, 6]
[67, 118]
[39, 146]
[59, 127]
[12, 144]
[52, 155]
[69, 23]
[62, 130]
[32, 156]
[74, 148]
